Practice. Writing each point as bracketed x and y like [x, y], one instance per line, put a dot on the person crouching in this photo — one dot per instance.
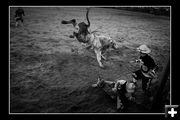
[122, 90]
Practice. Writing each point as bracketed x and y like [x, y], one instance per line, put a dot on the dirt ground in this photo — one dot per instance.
[47, 77]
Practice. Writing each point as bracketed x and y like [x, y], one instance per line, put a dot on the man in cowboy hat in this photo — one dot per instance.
[147, 69]
[19, 13]
[123, 90]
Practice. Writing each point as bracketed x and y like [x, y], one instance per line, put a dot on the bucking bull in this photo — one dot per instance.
[98, 42]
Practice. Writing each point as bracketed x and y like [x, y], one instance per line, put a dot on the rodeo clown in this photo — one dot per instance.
[148, 68]
[121, 90]
[19, 13]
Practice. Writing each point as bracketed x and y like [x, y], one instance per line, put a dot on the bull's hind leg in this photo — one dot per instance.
[98, 56]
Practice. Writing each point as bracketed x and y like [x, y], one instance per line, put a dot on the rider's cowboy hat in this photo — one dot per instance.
[143, 49]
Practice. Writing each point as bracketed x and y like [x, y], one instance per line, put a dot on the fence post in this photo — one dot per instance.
[156, 106]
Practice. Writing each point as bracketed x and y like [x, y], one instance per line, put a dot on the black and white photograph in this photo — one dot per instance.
[89, 59]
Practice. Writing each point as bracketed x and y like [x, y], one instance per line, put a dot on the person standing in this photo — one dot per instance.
[148, 68]
[19, 13]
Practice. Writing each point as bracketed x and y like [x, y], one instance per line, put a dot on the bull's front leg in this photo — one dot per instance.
[98, 56]
[102, 54]
[103, 57]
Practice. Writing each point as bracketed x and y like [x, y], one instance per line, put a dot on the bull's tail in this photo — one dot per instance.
[87, 13]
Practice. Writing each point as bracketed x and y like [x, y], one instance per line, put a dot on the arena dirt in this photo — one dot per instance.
[46, 76]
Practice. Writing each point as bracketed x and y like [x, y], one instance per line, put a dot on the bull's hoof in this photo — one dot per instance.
[99, 84]
[102, 67]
